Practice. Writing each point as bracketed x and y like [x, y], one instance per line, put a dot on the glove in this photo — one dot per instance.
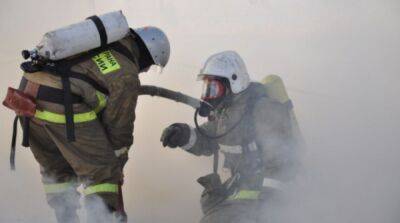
[177, 134]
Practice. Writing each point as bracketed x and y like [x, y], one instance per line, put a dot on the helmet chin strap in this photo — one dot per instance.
[145, 60]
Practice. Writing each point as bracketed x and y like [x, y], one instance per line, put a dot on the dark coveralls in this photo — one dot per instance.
[258, 152]
[100, 150]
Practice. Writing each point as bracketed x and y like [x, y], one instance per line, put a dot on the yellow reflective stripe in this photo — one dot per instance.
[58, 188]
[60, 118]
[101, 188]
[102, 101]
[78, 118]
[245, 195]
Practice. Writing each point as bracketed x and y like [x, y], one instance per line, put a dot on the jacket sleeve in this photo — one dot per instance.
[117, 109]
[93, 98]
[119, 115]
[272, 129]
[199, 144]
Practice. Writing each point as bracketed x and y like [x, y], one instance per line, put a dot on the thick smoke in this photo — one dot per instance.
[339, 60]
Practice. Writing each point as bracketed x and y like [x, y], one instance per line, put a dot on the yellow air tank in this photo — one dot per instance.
[276, 90]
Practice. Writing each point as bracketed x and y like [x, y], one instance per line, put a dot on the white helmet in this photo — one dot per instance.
[229, 65]
[156, 42]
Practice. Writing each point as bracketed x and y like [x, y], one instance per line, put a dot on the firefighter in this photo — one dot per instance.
[103, 87]
[252, 131]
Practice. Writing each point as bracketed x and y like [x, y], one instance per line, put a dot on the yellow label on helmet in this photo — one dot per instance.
[106, 62]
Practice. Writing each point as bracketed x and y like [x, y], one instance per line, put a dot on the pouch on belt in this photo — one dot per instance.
[214, 191]
[22, 103]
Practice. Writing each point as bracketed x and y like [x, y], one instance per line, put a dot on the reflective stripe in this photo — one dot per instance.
[60, 118]
[253, 146]
[192, 140]
[245, 195]
[78, 118]
[237, 149]
[101, 188]
[272, 183]
[57, 188]
[102, 101]
[231, 149]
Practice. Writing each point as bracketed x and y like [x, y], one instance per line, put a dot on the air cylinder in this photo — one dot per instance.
[83, 36]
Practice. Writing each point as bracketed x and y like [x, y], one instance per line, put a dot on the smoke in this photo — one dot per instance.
[339, 60]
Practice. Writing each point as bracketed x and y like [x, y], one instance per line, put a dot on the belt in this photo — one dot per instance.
[46, 93]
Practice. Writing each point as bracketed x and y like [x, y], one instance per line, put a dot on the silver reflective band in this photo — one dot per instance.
[237, 149]
[253, 146]
[192, 140]
[272, 183]
[121, 151]
[231, 149]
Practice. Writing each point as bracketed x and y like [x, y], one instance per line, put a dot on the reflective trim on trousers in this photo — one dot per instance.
[245, 195]
[58, 187]
[272, 183]
[101, 188]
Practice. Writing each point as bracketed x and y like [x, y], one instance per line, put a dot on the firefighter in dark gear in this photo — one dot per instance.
[104, 88]
[252, 131]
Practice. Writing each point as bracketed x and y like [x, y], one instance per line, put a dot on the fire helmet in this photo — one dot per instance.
[156, 42]
[229, 65]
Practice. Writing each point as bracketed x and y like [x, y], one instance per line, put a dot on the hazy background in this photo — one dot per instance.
[339, 59]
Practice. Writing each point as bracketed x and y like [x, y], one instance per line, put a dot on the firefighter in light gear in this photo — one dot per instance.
[251, 130]
[104, 87]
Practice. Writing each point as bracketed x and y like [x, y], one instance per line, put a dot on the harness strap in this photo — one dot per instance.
[100, 28]
[25, 138]
[216, 161]
[69, 111]
[120, 48]
[25, 132]
[52, 70]
[50, 94]
[13, 143]
[63, 70]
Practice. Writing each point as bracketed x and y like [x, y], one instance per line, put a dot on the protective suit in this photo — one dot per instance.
[251, 130]
[103, 124]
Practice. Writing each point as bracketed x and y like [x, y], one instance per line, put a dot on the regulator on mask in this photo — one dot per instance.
[214, 91]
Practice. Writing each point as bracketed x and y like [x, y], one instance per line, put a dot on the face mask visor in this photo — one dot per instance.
[212, 89]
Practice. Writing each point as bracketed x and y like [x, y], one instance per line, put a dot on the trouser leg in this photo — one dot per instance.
[94, 161]
[59, 179]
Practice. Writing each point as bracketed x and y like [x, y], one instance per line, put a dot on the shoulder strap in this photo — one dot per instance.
[67, 71]
[215, 161]
[120, 48]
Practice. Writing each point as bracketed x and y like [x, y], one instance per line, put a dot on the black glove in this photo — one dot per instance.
[177, 134]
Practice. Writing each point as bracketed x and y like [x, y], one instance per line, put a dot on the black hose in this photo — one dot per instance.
[202, 132]
[169, 94]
